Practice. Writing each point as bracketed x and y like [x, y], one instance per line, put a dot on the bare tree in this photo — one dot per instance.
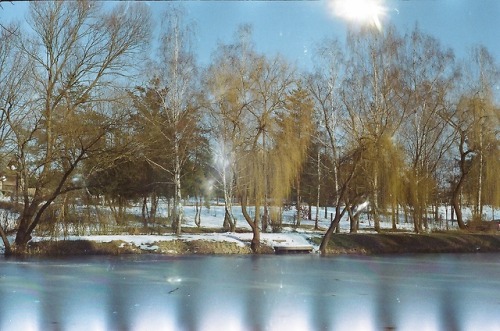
[77, 53]
[428, 81]
[349, 163]
[372, 97]
[324, 86]
[13, 72]
[158, 133]
[176, 72]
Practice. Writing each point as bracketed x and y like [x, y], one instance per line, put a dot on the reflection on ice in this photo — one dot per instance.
[451, 292]
[174, 280]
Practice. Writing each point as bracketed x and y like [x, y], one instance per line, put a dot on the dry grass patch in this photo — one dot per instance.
[81, 247]
[399, 243]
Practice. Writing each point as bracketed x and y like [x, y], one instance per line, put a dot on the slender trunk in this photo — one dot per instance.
[199, 214]
[458, 212]
[229, 222]
[376, 216]
[405, 211]
[298, 204]
[121, 211]
[145, 211]
[352, 221]
[265, 216]
[426, 217]
[318, 195]
[197, 206]
[479, 207]
[63, 217]
[455, 199]
[154, 207]
[333, 144]
[170, 203]
[393, 214]
[177, 214]
[455, 202]
[416, 221]
[254, 224]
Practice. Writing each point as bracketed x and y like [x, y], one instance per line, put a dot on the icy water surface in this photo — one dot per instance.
[307, 292]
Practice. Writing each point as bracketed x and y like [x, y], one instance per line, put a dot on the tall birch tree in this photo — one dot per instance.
[176, 72]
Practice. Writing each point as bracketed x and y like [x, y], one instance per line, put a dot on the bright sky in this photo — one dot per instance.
[293, 28]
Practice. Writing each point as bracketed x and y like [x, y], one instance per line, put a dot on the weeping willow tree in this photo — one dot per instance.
[294, 124]
[225, 101]
[481, 186]
[386, 156]
[261, 121]
[391, 178]
[270, 160]
[475, 122]
[481, 75]
[491, 189]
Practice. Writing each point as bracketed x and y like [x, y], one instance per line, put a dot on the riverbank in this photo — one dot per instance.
[404, 243]
[239, 243]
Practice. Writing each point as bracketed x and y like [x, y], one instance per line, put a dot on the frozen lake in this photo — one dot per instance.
[306, 292]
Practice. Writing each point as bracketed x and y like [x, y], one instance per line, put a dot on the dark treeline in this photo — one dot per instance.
[90, 113]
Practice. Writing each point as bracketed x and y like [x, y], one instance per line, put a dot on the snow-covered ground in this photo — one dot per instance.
[289, 236]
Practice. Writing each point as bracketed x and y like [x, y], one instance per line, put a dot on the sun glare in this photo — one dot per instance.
[368, 12]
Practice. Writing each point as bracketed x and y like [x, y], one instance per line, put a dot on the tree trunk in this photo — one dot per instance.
[393, 214]
[338, 213]
[479, 206]
[29, 220]
[352, 221]
[6, 243]
[298, 204]
[145, 211]
[229, 222]
[376, 215]
[177, 214]
[333, 225]
[154, 207]
[265, 216]
[318, 195]
[254, 224]
[455, 198]
[455, 202]
[198, 206]
[23, 235]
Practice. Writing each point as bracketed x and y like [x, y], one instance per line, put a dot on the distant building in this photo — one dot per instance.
[7, 184]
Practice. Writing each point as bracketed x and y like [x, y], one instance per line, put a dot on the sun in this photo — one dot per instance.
[365, 12]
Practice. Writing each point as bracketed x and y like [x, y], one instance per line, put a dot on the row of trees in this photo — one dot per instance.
[389, 118]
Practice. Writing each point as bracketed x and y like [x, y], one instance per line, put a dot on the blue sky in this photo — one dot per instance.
[293, 28]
